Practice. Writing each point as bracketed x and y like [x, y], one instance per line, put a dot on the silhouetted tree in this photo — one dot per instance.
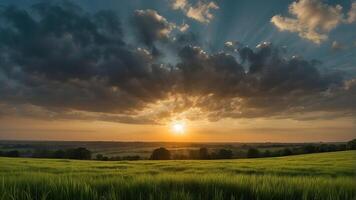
[78, 153]
[267, 153]
[193, 154]
[342, 147]
[253, 153]
[332, 147]
[309, 149]
[203, 153]
[160, 154]
[352, 144]
[42, 153]
[287, 152]
[59, 154]
[99, 156]
[225, 154]
[323, 148]
[14, 153]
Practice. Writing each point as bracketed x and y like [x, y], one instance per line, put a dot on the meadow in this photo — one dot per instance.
[321, 176]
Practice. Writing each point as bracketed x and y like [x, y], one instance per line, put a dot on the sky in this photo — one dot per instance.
[223, 70]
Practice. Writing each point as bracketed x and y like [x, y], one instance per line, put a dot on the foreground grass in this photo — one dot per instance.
[325, 176]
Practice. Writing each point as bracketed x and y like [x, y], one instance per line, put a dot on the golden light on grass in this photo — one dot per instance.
[178, 127]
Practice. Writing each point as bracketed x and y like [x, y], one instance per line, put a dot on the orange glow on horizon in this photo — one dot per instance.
[198, 131]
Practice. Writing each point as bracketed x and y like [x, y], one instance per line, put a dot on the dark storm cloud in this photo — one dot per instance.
[63, 43]
[59, 55]
[272, 84]
[271, 72]
[151, 26]
[204, 74]
[58, 61]
[337, 99]
[268, 73]
[188, 38]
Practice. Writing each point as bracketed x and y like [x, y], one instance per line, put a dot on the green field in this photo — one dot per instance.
[324, 176]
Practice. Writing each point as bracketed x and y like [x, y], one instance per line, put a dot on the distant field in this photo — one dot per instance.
[143, 149]
[324, 176]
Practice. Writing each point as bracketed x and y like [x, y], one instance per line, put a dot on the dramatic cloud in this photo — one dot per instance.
[352, 13]
[179, 4]
[232, 46]
[201, 11]
[272, 85]
[76, 62]
[151, 26]
[276, 74]
[221, 72]
[59, 61]
[184, 27]
[313, 19]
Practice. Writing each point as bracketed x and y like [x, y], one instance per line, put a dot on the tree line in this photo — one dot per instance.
[79, 153]
[202, 153]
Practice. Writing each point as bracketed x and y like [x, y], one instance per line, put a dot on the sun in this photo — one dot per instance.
[178, 127]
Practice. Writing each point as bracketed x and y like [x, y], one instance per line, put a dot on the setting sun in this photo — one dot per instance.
[178, 128]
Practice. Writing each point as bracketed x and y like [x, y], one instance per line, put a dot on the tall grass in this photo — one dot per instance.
[329, 176]
[210, 186]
